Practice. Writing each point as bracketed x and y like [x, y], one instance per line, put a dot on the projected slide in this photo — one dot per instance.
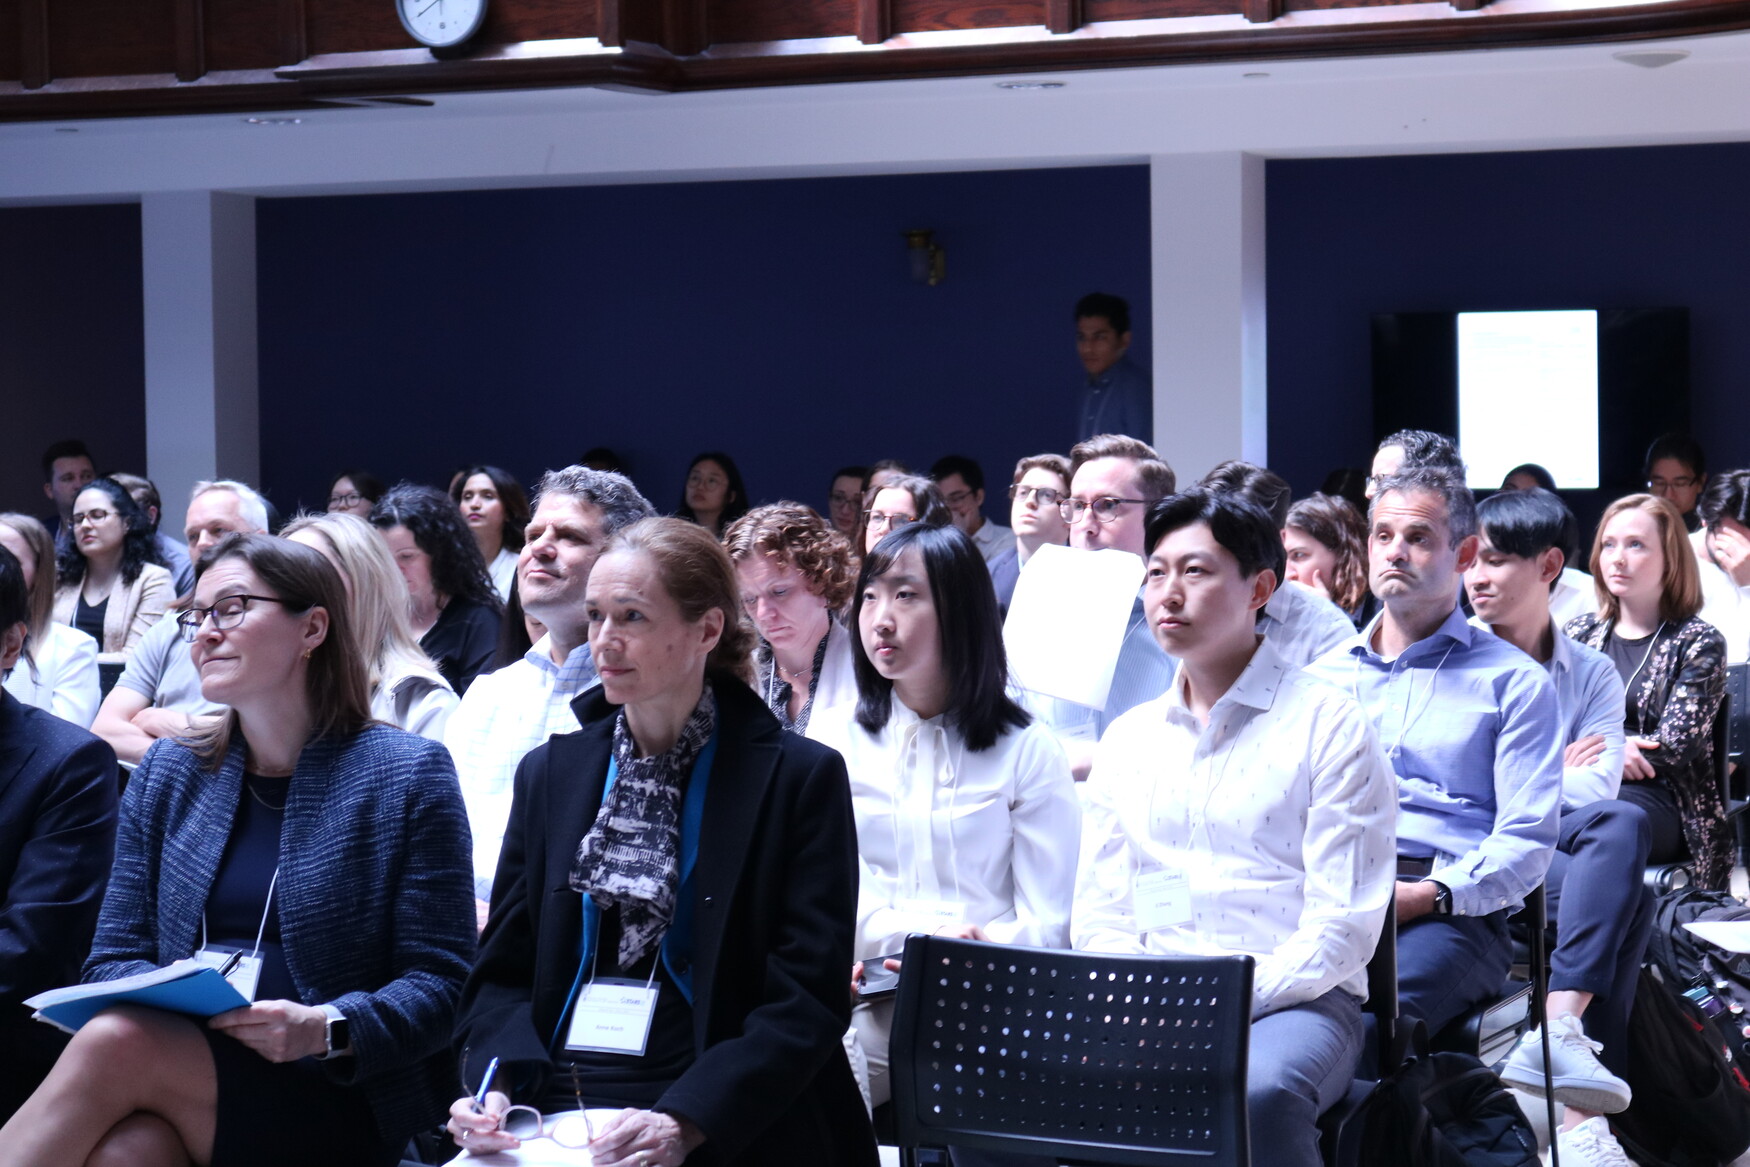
[1528, 392]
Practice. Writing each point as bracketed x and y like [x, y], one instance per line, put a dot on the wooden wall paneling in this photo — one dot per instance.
[610, 26]
[191, 40]
[1100, 11]
[241, 35]
[33, 43]
[941, 15]
[1468, 5]
[874, 21]
[517, 21]
[1264, 11]
[686, 27]
[353, 26]
[1063, 15]
[111, 38]
[294, 31]
[759, 21]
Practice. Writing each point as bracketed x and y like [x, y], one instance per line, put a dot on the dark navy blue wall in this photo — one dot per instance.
[1659, 227]
[72, 342]
[775, 320]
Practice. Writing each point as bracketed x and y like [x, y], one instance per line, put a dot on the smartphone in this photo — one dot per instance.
[878, 981]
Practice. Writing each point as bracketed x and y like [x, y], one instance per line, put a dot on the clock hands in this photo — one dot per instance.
[429, 7]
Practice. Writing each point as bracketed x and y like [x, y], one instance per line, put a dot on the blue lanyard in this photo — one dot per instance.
[692, 819]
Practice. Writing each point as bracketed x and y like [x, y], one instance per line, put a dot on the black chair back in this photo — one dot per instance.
[1088, 1057]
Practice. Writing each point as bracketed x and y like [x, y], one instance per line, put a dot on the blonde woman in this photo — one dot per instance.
[407, 691]
[58, 671]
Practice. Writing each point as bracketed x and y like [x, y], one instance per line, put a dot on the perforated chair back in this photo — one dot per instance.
[1084, 1056]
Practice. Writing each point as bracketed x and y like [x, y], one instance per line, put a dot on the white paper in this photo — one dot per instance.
[1731, 935]
[1067, 621]
[540, 1152]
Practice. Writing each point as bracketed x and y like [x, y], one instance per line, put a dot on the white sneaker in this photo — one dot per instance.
[1591, 1145]
[1580, 1080]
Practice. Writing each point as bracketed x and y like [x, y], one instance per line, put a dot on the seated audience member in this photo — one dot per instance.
[496, 510]
[967, 820]
[883, 472]
[109, 583]
[57, 833]
[517, 632]
[1574, 593]
[901, 499]
[796, 576]
[452, 604]
[67, 470]
[1118, 395]
[845, 499]
[1325, 539]
[961, 481]
[1113, 481]
[507, 713]
[57, 669]
[1722, 552]
[159, 692]
[713, 496]
[682, 840]
[1290, 863]
[1302, 623]
[1348, 483]
[1673, 664]
[355, 492]
[1676, 471]
[173, 555]
[1408, 448]
[1040, 482]
[1602, 909]
[604, 459]
[1472, 729]
[352, 832]
[405, 688]
[1529, 476]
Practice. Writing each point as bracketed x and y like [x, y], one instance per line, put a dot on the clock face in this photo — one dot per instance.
[441, 24]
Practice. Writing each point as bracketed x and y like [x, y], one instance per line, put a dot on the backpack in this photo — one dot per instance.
[1691, 1104]
[1715, 979]
[1445, 1110]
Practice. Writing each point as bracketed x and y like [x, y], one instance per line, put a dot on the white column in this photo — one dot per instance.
[202, 409]
[1207, 221]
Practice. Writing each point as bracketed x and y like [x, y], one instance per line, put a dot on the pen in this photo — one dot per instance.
[231, 962]
[485, 1085]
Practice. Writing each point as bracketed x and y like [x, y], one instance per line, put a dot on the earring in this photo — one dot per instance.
[306, 654]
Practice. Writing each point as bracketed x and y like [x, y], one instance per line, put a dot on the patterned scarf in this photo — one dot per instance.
[631, 856]
[777, 690]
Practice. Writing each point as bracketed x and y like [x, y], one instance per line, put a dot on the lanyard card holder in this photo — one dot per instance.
[612, 1016]
[241, 970]
[1162, 900]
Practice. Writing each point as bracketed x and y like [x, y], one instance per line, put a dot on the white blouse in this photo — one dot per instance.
[948, 836]
[502, 569]
[420, 703]
[61, 677]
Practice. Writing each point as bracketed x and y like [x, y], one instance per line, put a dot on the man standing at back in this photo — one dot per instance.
[1473, 731]
[1118, 395]
[507, 713]
[67, 469]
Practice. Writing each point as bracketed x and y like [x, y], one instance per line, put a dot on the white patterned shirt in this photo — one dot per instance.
[1280, 814]
[503, 716]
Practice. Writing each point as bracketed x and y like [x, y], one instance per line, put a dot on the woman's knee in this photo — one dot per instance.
[128, 1045]
[140, 1140]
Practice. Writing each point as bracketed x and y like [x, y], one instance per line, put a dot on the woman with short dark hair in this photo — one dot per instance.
[713, 495]
[497, 512]
[328, 852]
[683, 841]
[900, 499]
[111, 585]
[967, 818]
[354, 492]
[452, 604]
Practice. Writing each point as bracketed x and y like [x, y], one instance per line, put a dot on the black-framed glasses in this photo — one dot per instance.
[344, 500]
[226, 614]
[885, 521]
[93, 517]
[1047, 496]
[958, 497]
[523, 1123]
[1104, 509]
[840, 499]
[1654, 484]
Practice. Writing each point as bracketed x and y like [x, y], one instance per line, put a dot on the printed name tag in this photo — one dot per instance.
[1163, 900]
[244, 978]
[939, 913]
[613, 1017]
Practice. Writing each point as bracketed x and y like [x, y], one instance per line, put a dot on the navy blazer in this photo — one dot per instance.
[375, 897]
[58, 788]
[773, 903]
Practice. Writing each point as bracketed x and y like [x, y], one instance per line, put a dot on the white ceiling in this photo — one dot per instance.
[1511, 99]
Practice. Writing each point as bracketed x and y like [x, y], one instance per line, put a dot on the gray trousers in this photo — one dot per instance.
[1301, 1063]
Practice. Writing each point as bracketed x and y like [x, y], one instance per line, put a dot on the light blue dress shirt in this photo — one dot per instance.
[1474, 733]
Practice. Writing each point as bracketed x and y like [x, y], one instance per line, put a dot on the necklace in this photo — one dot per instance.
[250, 786]
[1652, 643]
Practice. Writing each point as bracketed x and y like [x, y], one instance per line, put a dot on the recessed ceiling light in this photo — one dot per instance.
[1651, 58]
[1030, 84]
[274, 121]
[1254, 76]
[66, 129]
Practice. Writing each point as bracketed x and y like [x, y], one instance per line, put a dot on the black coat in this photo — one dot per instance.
[775, 893]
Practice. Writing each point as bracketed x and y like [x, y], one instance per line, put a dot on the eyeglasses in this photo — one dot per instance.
[840, 499]
[1105, 509]
[1046, 495]
[1653, 484]
[886, 521]
[336, 501]
[93, 517]
[226, 614]
[571, 1131]
[958, 497]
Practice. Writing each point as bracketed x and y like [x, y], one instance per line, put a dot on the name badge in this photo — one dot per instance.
[1163, 900]
[244, 978]
[612, 1017]
[939, 913]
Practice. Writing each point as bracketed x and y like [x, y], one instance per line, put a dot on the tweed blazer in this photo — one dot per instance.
[132, 609]
[375, 897]
[1686, 677]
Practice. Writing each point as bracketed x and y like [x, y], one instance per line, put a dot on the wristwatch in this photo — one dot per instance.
[1442, 898]
[336, 1033]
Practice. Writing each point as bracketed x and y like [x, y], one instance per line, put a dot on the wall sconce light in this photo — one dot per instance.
[929, 262]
